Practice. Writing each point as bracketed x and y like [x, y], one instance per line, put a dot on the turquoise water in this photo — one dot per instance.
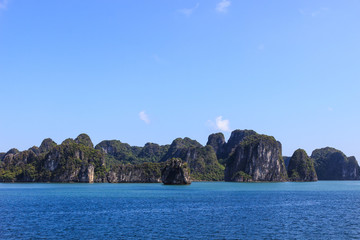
[202, 210]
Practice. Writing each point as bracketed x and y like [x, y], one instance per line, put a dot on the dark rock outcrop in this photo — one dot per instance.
[217, 142]
[2, 155]
[12, 151]
[68, 162]
[139, 173]
[75, 161]
[332, 164]
[257, 158]
[236, 137]
[175, 173]
[35, 150]
[301, 167]
[179, 147]
[201, 160]
[46, 145]
[286, 161]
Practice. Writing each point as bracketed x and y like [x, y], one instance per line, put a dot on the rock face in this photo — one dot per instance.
[46, 145]
[332, 164]
[201, 160]
[72, 161]
[2, 155]
[179, 147]
[217, 142]
[225, 149]
[122, 153]
[236, 137]
[139, 173]
[35, 150]
[256, 158]
[75, 161]
[175, 173]
[286, 161]
[18, 166]
[13, 151]
[301, 167]
[248, 157]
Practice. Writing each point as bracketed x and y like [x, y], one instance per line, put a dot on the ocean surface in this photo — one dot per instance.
[202, 210]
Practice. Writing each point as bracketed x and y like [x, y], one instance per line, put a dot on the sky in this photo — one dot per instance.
[151, 71]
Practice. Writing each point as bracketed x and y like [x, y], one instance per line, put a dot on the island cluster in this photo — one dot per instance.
[246, 157]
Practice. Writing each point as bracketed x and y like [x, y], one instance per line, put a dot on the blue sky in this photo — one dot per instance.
[152, 71]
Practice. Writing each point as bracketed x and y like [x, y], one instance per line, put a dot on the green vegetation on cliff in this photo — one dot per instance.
[250, 157]
[256, 158]
[202, 161]
[68, 162]
[122, 153]
[301, 167]
[332, 164]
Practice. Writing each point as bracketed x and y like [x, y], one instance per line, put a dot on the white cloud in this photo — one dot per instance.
[3, 4]
[220, 124]
[223, 6]
[188, 11]
[223, 125]
[144, 117]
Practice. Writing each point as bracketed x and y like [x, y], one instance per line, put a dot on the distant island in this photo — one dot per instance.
[246, 157]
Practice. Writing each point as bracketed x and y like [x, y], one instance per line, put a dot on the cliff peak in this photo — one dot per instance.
[84, 139]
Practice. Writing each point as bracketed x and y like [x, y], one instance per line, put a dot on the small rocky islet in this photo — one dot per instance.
[246, 157]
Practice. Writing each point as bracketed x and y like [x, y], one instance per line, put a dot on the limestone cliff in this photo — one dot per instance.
[257, 158]
[46, 145]
[332, 164]
[75, 161]
[139, 173]
[201, 160]
[301, 167]
[175, 173]
[217, 142]
[122, 153]
[85, 140]
[72, 161]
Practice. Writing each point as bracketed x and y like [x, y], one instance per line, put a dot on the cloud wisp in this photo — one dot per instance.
[144, 117]
[188, 11]
[222, 6]
[220, 124]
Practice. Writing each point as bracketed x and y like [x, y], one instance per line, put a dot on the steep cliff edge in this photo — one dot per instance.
[217, 142]
[175, 173]
[301, 167]
[332, 164]
[201, 160]
[138, 173]
[75, 161]
[72, 161]
[256, 158]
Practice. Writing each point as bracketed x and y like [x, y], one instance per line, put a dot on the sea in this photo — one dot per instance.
[202, 210]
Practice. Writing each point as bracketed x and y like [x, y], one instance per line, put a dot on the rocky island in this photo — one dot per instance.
[246, 157]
